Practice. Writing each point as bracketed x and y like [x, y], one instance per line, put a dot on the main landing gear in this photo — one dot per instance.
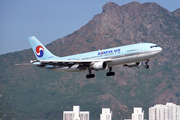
[110, 73]
[90, 75]
[146, 66]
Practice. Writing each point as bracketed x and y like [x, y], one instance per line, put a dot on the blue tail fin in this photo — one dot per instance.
[41, 52]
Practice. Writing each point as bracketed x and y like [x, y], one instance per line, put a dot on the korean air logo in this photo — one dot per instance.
[39, 51]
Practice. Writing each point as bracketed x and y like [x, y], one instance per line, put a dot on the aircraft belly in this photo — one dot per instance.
[123, 60]
[147, 55]
[132, 58]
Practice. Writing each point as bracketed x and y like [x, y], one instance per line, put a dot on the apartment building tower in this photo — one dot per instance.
[169, 111]
[76, 114]
[106, 114]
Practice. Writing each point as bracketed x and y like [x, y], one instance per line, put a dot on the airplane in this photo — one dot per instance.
[129, 56]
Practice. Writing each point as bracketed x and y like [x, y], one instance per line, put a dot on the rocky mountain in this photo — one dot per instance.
[28, 92]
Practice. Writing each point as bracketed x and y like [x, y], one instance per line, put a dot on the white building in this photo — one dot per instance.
[138, 114]
[169, 111]
[106, 114]
[76, 114]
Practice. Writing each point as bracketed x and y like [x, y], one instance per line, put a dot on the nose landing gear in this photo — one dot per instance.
[146, 66]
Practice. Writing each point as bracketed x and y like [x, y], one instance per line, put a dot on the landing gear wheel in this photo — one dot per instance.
[146, 66]
[90, 76]
[110, 73]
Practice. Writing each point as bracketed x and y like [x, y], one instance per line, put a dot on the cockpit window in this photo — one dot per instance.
[154, 46]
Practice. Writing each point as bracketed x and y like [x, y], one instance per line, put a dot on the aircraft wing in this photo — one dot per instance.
[75, 61]
[83, 64]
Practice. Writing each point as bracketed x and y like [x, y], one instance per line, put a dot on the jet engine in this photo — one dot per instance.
[100, 66]
[137, 64]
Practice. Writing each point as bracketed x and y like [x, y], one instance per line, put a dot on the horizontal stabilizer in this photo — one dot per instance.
[24, 64]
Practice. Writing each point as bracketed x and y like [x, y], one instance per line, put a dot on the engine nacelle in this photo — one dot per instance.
[100, 66]
[133, 64]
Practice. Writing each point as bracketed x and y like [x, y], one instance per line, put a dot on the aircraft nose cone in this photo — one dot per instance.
[159, 49]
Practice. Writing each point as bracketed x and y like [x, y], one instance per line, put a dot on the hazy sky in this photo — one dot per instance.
[50, 19]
